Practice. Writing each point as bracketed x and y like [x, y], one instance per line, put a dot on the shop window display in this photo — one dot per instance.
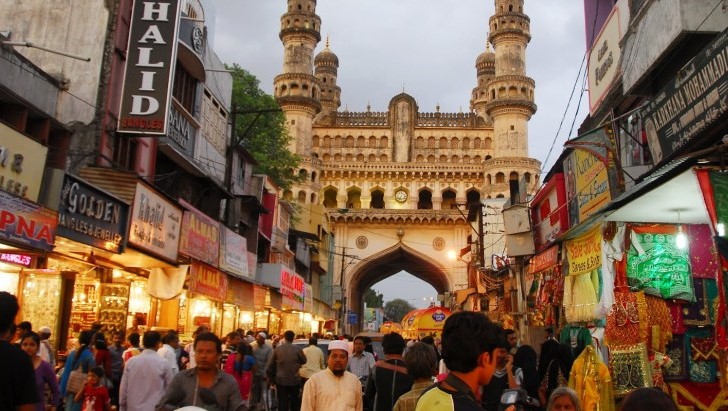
[113, 307]
[41, 296]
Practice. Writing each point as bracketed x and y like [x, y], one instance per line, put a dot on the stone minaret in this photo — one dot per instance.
[510, 91]
[508, 101]
[297, 90]
[485, 66]
[327, 67]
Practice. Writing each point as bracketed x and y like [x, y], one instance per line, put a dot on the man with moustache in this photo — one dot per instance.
[333, 389]
[205, 386]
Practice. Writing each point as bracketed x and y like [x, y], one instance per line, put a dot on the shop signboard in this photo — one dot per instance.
[151, 54]
[548, 212]
[155, 223]
[208, 281]
[234, 253]
[589, 173]
[545, 259]
[693, 101]
[91, 216]
[26, 223]
[200, 237]
[16, 258]
[584, 253]
[240, 293]
[292, 289]
[604, 60]
[22, 161]
[181, 132]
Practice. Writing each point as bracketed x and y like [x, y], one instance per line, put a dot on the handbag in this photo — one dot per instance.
[78, 377]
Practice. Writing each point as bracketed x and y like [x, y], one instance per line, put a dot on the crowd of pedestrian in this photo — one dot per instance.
[470, 368]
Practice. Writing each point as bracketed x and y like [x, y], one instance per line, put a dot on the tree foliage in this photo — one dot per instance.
[263, 134]
[396, 309]
[372, 298]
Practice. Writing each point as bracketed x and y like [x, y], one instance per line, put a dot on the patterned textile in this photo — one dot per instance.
[677, 371]
[703, 253]
[630, 367]
[659, 323]
[624, 325]
[696, 396]
[699, 371]
[656, 265]
[702, 313]
[704, 349]
[658, 361]
[591, 380]
[676, 316]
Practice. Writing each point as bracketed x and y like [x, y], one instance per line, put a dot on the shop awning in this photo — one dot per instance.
[659, 197]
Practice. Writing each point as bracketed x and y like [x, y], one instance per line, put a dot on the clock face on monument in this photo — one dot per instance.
[400, 196]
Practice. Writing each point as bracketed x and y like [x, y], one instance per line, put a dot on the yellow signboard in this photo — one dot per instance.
[22, 161]
[592, 183]
[584, 252]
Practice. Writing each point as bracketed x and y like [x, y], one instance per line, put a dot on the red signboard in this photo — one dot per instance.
[549, 212]
[27, 223]
[544, 260]
[208, 281]
[200, 237]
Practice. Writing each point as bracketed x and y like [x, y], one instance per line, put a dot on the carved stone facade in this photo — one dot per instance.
[388, 168]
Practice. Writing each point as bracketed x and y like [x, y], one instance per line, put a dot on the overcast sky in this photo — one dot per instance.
[426, 47]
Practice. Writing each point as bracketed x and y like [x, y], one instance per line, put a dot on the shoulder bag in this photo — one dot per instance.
[78, 377]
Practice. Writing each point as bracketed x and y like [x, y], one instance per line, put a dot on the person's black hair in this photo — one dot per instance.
[465, 336]
[151, 339]
[25, 326]
[208, 336]
[548, 353]
[170, 337]
[244, 349]
[509, 331]
[33, 335]
[100, 341]
[85, 337]
[121, 334]
[232, 334]
[527, 360]
[8, 310]
[288, 335]
[313, 341]
[647, 399]
[362, 338]
[428, 340]
[421, 361]
[393, 343]
[97, 371]
[96, 326]
[134, 339]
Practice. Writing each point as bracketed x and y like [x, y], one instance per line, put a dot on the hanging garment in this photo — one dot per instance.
[658, 362]
[704, 261]
[677, 370]
[630, 367]
[580, 298]
[656, 265]
[575, 337]
[700, 369]
[612, 251]
[659, 325]
[592, 382]
[702, 313]
[627, 323]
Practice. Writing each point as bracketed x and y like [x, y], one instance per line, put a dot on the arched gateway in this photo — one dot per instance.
[388, 184]
[375, 245]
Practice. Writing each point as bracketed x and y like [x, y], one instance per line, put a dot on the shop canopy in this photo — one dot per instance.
[388, 327]
[423, 322]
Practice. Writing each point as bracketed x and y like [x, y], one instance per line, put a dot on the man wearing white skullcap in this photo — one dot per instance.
[333, 389]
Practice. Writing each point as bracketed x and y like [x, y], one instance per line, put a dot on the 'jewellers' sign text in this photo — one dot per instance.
[90, 216]
[151, 53]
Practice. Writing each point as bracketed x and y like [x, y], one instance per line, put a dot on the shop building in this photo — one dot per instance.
[629, 224]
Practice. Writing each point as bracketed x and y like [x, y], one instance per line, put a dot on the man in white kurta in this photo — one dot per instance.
[333, 389]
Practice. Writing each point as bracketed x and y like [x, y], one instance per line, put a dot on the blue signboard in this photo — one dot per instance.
[351, 318]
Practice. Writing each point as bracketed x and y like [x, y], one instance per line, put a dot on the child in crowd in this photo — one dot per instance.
[95, 395]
